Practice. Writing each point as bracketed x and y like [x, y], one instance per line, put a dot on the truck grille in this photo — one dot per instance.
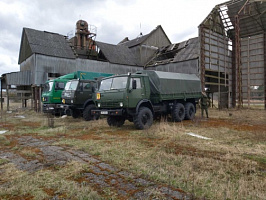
[67, 101]
[110, 104]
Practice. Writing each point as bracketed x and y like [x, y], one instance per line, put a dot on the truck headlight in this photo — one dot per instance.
[45, 99]
[121, 104]
[98, 96]
[99, 105]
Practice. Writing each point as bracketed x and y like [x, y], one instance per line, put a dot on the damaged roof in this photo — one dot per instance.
[118, 54]
[178, 52]
[141, 39]
[251, 14]
[45, 43]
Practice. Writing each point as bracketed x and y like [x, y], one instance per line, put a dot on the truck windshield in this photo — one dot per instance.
[113, 83]
[71, 85]
[48, 86]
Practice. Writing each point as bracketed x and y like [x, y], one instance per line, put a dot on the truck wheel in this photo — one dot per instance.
[74, 113]
[178, 112]
[87, 113]
[190, 111]
[144, 118]
[68, 112]
[115, 121]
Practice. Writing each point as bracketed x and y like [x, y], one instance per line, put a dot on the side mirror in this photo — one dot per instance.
[56, 86]
[134, 84]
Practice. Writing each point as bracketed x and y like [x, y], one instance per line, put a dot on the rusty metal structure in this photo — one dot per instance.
[83, 43]
[232, 53]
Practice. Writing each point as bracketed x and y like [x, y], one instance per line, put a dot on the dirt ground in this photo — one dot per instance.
[103, 170]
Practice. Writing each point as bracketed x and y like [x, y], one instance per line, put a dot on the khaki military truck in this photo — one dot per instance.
[145, 95]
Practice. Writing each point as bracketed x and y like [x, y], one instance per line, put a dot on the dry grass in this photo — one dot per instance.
[44, 184]
[231, 165]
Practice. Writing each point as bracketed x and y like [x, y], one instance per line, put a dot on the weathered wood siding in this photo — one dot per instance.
[41, 65]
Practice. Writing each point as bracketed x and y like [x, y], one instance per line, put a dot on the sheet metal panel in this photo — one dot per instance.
[252, 68]
[47, 64]
[187, 67]
[19, 78]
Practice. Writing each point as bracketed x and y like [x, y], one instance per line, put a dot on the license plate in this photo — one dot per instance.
[104, 112]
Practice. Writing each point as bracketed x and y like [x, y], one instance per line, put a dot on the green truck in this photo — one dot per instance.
[51, 93]
[146, 95]
[77, 95]
[52, 90]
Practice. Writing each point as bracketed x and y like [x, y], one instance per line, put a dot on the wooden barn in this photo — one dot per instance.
[229, 55]
[44, 55]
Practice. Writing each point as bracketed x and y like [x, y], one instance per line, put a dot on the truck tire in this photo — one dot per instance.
[190, 111]
[115, 121]
[87, 113]
[178, 113]
[68, 112]
[75, 113]
[144, 118]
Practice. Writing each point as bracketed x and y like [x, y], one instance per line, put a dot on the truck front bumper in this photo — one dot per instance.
[51, 108]
[64, 106]
[48, 108]
[107, 112]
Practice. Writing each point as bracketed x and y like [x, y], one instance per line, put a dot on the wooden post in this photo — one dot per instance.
[32, 97]
[1, 97]
[35, 99]
[7, 97]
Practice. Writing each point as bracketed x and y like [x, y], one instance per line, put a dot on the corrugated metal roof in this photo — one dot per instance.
[189, 51]
[141, 39]
[135, 42]
[178, 52]
[18, 78]
[45, 43]
[118, 54]
[251, 14]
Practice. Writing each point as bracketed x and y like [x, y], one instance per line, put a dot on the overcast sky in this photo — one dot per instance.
[114, 19]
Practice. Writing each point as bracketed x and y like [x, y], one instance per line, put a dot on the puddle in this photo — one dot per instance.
[2, 132]
[198, 136]
[20, 116]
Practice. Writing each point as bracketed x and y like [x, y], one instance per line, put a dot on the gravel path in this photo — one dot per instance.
[101, 175]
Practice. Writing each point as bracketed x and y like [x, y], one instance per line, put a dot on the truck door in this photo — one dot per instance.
[135, 94]
[58, 88]
[83, 92]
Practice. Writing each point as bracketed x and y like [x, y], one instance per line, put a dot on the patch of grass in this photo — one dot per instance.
[229, 166]
[206, 168]
[28, 153]
[3, 161]
[46, 184]
[4, 140]
[259, 159]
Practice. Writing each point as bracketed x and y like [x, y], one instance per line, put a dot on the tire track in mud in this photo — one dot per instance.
[100, 176]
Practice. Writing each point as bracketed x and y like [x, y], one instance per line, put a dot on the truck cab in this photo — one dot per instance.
[77, 98]
[122, 92]
[51, 95]
[119, 98]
